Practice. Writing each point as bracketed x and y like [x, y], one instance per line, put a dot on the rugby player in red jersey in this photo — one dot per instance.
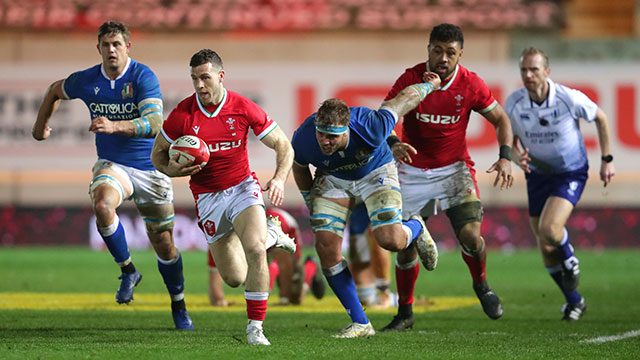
[434, 163]
[228, 197]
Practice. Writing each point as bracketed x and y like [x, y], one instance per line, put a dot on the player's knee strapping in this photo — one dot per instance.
[463, 214]
[385, 208]
[108, 180]
[329, 216]
[160, 219]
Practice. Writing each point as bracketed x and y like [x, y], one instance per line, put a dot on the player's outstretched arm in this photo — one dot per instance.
[279, 142]
[607, 170]
[170, 167]
[412, 95]
[499, 119]
[146, 126]
[41, 129]
[304, 182]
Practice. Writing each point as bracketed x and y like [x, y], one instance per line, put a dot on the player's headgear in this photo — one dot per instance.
[447, 33]
[113, 28]
[333, 117]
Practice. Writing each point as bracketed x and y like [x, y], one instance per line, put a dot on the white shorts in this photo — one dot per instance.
[217, 211]
[149, 186]
[450, 185]
[383, 178]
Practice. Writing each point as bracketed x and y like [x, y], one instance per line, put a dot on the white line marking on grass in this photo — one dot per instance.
[603, 339]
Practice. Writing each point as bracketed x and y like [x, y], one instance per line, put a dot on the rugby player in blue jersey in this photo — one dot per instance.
[348, 148]
[545, 118]
[125, 105]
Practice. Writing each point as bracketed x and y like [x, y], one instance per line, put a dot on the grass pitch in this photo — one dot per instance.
[58, 303]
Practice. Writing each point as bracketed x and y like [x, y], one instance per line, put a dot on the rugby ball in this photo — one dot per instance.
[189, 148]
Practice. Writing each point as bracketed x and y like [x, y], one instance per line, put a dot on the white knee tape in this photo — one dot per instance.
[107, 180]
[110, 229]
[329, 216]
[384, 208]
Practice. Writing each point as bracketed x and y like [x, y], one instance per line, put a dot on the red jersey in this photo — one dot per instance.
[225, 128]
[437, 127]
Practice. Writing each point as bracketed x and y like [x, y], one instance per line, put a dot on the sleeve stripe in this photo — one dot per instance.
[266, 131]
[166, 137]
[493, 105]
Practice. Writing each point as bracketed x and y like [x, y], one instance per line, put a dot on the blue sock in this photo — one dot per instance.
[171, 271]
[341, 282]
[565, 248]
[572, 297]
[116, 241]
[415, 227]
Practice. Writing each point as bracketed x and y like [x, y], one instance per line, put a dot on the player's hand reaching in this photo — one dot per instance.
[275, 191]
[503, 169]
[401, 151]
[523, 160]
[432, 78]
[102, 125]
[607, 171]
[176, 169]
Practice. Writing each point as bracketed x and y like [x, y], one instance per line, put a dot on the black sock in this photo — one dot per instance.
[405, 311]
[129, 268]
[178, 305]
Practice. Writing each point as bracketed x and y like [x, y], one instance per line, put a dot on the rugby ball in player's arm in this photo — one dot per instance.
[190, 147]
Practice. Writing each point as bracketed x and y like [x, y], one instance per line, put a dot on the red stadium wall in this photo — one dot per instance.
[503, 227]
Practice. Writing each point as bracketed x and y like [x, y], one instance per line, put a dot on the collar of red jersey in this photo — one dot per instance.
[217, 110]
[452, 77]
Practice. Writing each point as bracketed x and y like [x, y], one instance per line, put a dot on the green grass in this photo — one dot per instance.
[530, 329]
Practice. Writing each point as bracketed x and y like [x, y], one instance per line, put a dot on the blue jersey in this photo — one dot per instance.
[117, 100]
[367, 148]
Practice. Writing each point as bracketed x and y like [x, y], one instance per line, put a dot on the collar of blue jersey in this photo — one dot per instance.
[124, 71]
[451, 78]
[217, 110]
[333, 130]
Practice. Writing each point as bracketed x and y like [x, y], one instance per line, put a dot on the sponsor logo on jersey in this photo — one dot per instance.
[196, 129]
[325, 162]
[127, 90]
[438, 119]
[224, 145]
[96, 90]
[353, 166]
[126, 111]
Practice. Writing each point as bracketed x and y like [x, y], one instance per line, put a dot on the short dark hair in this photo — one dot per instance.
[447, 33]
[206, 56]
[533, 51]
[114, 28]
[333, 112]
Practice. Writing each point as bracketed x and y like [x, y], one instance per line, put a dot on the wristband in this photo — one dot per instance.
[505, 152]
[392, 140]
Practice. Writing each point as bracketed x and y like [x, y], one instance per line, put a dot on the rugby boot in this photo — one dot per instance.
[128, 282]
[399, 323]
[573, 312]
[255, 336]
[427, 248]
[490, 301]
[283, 241]
[355, 330]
